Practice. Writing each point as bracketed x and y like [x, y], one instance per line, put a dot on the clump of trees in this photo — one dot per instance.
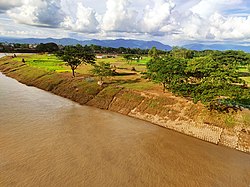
[120, 50]
[47, 47]
[103, 70]
[211, 79]
[132, 57]
[76, 55]
[154, 53]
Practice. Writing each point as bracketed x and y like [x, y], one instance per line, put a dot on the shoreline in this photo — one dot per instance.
[170, 112]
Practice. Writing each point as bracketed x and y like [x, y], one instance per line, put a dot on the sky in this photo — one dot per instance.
[172, 22]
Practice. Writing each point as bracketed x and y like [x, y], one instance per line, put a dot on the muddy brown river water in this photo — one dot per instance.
[46, 140]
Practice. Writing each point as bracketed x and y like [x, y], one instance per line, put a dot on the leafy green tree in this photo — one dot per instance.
[128, 57]
[137, 57]
[76, 55]
[213, 82]
[170, 72]
[24, 46]
[17, 45]
[232, 57]
[48, 47]
[179, 52]
[153, 52]
[103, 70]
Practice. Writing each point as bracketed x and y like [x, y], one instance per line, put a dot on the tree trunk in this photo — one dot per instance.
[73, 72]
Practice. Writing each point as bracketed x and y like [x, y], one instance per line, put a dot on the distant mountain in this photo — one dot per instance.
[105, 43]
[220, 47]
[125, 43]
[129, 44]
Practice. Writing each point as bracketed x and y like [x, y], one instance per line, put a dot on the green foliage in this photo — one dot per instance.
[178, 52]
[212, 80]
[130, 57]
[48, 47]
[232, 57]
[153, 52]
[169, 72]
[76, 55]
[47, 62]
[103, 70]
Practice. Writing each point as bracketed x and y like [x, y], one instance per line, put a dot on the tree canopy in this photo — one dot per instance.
[103, 70]
[212, 79]
[76, 55]
[47, 47]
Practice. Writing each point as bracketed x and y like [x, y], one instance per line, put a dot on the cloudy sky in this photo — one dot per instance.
[169, 21]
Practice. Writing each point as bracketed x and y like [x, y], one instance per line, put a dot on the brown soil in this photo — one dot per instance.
[125, 101]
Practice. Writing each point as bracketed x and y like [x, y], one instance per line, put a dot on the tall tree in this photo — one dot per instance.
[209, 80]
[170, 72]
[76, 55]
[128, 57]
[48, 47]
[103, 70]
[153, 52]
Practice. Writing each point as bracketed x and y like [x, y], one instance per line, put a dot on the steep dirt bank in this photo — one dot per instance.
[165, 109]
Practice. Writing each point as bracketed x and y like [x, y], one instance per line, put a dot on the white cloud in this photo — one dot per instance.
[229, 27]
[215, 27]
[82, 20]
[206, 8]
[38, 12]
[50, 13]
[119, 17]
[165, 20]
[9, 28]
[157, 17]
[9, 4]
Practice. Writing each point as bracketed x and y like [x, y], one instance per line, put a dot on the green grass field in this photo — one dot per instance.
[121, 63]
[125, 77]
[47, 62]
[52, 63]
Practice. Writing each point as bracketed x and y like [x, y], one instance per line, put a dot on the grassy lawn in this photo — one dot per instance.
[47, 62]
[125, 77]
[122, 64]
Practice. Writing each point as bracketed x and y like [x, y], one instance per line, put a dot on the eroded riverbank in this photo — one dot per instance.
[46, 140]
[165, 110]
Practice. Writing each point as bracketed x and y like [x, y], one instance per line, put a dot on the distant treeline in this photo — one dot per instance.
[53, 47]
[177, 52]
[28, 48]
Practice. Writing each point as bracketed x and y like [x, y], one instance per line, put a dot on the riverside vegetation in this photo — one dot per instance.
[207, 87]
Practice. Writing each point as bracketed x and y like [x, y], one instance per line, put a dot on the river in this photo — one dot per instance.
[46, 140]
